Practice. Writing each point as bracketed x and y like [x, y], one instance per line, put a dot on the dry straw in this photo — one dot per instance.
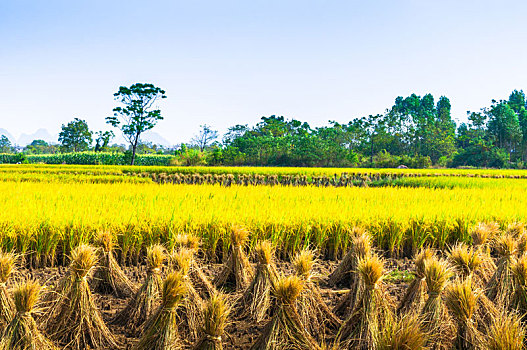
[360, 249]
[285, 330]
[22, 332]
[215, 313]
[7, 306]
[434, 316]
[415, 295]
[237, 268]
[314, 313]
[402, 333]
[461, 300]
[501, 286]
[362, 327]
[161, 329]
[255, 302]
[189, 314]
[346, 268]
[73, 320]
[506, 332]
[109, 278]
[142, 305]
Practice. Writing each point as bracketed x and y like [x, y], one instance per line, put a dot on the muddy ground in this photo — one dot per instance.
[240, 334]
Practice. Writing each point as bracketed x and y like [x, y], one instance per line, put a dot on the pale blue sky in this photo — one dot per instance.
[231, 62]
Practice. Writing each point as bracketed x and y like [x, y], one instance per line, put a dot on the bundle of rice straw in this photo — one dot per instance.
[361, 328]
[215, 314]
[506, 332]
[255, 302]
[360, 249]
[73, 320]
[347, 266]
[161, 329]
[501, 286]
[237, 268]
[109, 278]
[7, 306]
[401, 333]
[22, 332]
[415, 295]
[142, 305]
[315, 315]
[285, 331]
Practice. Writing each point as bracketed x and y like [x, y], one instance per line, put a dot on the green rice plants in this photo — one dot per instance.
[314, 313]
[361, 328]
[109, 278]
[189, 313]
[255, 302]
[237, 268]
[461, 300]
[401, 333]
[22, 332]
[415, 294]
[285, 330]
[506, 332]
[7, 306]
[501, 285]
[161, 329]
[143, 303]
[434, 317]
[216, 314]
[73, 320]
[360, 249]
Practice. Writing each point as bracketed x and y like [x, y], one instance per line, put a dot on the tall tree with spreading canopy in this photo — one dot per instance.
[75, 136]
[205, 137]
[139, 112]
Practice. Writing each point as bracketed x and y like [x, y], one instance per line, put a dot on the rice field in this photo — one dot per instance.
[129, 258]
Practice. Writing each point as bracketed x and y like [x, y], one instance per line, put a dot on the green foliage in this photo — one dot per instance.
[75, 136]
[138, 113]
[5, 145]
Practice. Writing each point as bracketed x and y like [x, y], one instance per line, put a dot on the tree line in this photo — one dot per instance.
[415, 132]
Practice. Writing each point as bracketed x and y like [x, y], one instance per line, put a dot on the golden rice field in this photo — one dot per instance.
[48, 213]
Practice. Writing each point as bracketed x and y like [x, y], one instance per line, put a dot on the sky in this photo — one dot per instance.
[231, 62]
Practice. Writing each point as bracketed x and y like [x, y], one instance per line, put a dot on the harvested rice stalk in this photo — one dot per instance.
[366, 321]
[415, 294]
[521, 244]
[506, 332]
[215, 313]
[461, 300]
[161, 329]
[237, 267]
[187, 260]
[313, 311]
[516, 229]
[360, 249]
[7, 306]
[346, 268]
[256, 299]
[109, 278]
[186, 241]
[142, 305]
[501, 286]
[73, 320]
[22, 332]
[483, 232]
[285, 331]
[434, 316]
[189, 313]
[402, 333]
[519, 298]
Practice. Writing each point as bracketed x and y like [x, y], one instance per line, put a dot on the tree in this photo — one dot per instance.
[75, 136]
[103, 140]
[40, 147]
[205, 137]
[5, 145]
[138, 113]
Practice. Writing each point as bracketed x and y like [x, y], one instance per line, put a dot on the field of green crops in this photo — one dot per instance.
[47, 210]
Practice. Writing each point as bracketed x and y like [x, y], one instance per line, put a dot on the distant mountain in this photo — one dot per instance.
[40, 134]
[155, 138]
[8, 135]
